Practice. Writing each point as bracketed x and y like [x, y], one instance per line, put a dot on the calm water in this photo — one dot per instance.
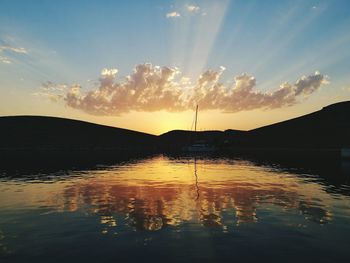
[176, 210]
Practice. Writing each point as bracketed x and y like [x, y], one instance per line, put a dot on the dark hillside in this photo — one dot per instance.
[56, 134]
[327, 128]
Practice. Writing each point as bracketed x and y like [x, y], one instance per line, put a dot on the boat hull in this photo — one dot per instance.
[196, 149]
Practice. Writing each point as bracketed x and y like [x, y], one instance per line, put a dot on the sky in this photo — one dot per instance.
[145, 65]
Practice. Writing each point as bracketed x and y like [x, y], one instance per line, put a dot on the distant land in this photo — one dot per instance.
[325, 130]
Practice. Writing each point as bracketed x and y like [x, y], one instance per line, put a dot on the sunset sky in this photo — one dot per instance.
[144, 65]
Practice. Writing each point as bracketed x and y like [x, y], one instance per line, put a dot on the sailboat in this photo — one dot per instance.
[199, 145]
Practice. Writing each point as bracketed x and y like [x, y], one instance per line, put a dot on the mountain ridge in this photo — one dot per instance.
[326, 128]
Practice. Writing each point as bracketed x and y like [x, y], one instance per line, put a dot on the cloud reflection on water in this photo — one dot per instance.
[157, 193]
[225, 194]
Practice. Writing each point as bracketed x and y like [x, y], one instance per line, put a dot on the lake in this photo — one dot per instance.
[176, 209]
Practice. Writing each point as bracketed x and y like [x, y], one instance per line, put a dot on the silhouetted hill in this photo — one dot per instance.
[327, 128]
[58, 134]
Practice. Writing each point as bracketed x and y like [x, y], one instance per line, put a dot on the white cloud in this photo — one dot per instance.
[152, 88]
[109, 72]
[9, 48]
[13, 49]
[5, 60]
[193, 8]
[173, 15]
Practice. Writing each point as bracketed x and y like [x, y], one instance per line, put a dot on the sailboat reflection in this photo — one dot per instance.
[207, 217]
[196, 177]
[220, 199]
[160, 193]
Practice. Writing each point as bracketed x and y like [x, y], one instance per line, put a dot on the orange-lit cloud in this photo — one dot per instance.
[153, 88]
[173, 14]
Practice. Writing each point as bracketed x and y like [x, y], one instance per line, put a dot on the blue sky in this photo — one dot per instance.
[274, 41]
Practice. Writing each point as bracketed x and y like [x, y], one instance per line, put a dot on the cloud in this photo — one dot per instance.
[5, 60]
[153, 88]
[173, 15]
[55, 92]
[3, 48]
[308, 84]
[193, 8]
[109, 72]
[13, 49]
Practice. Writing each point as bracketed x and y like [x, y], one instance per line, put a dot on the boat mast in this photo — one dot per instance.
[195, 123]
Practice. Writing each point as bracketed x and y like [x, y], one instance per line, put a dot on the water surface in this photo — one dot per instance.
[175, 209]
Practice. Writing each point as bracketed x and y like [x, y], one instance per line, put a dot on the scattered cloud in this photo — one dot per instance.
[55, 92]
[173, 15]
[189, 9]
[153, 88]
[5, 60]
[13, 49]
[8, 48]
[193, 8]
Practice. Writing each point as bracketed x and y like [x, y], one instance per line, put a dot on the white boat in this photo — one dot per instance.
[345, 153]
[199, 145]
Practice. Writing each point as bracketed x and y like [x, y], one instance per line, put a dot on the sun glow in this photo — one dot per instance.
[161, 191]
[188, 40]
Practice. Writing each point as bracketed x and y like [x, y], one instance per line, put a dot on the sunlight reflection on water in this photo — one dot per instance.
[183, 200]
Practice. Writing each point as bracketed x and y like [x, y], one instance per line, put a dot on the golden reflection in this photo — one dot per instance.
[157, 193]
